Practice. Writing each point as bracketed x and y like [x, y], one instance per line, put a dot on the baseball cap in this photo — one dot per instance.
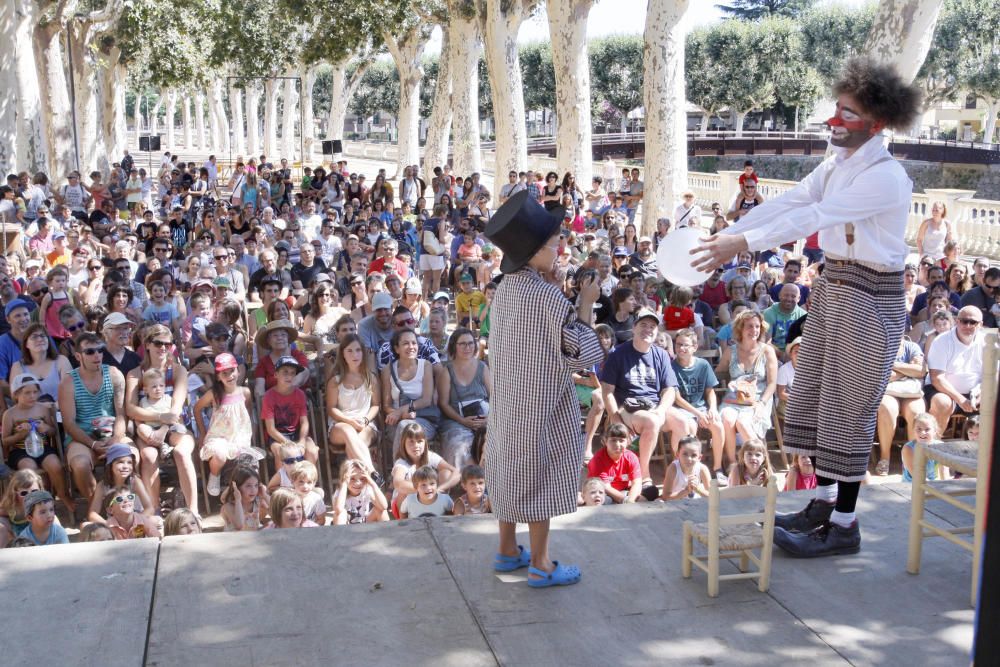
[441, 295]
[58, 235]
[36, 263]
[223, 281]
[202, 282]
[118, 451]
[287, 360]
[12, 306]
[412, 287]
[645, 239]
[115, 320]
[465, 278]
[643, 313]
[224, 362]
[23, 380]
[381, 300]
[621, 251]
[742, 265]
[321, 278]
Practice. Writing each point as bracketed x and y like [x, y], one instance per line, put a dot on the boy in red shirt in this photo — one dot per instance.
[617, 466]
[285, 412]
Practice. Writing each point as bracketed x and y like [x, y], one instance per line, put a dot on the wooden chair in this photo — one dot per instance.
[727, 537]
[968, 458]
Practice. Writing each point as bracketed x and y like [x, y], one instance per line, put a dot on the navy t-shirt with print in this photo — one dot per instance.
[638, 375]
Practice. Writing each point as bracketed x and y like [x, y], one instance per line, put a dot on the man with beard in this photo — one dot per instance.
[858, 200]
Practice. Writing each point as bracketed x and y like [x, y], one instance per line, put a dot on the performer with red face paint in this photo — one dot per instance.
[858, 200]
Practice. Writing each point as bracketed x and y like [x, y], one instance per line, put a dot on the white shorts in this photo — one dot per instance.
[431, 262]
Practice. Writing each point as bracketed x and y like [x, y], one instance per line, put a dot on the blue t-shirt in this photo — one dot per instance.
[692, 382]
[164, 314]
[10, 352]
[637, 375]
[57, 535]
[909, 352]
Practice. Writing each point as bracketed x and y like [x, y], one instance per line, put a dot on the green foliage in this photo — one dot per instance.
[753, 10]
[378, 90]
[832, 34]
[616, 70]
[972, 29]
[538, 76]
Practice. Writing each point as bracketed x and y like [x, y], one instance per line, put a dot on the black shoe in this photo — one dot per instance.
[829, 539]
[813, 516]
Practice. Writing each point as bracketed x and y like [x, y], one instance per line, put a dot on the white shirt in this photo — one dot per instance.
[961, 364]
[310, 225]
[877, 202]
[691, 216]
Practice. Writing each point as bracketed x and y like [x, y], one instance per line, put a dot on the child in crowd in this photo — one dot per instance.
[244, 501]
[120, 470]
[13, 519]
[28, 416]
[426, 500]
[801, 475]
[291, 454]
[687, 476]
[286, 510]
[753, 467]
[56, 298]
[182, 521]
[358, 500]
[304, 476]
[284, 411]
[786, 374]
[412, 453]
[970, 432]
[474, 500]
[124, 521]
[926, 429]
[96, 532]
[40, 509]
[156, 399]
[679, 314]
[593, 493]
[160, 310]
[618, 467]
[230, 432]
[468, 302]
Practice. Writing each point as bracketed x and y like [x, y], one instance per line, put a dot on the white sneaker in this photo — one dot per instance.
[214, 485]
[165, 450]
[722, 478]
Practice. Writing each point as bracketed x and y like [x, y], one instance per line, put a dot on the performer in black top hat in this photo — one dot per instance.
[534, 448]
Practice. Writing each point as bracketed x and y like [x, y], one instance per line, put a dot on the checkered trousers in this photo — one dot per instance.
[850, 340]
[534, 448]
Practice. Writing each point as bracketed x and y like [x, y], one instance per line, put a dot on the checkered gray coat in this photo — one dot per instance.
[534, 447]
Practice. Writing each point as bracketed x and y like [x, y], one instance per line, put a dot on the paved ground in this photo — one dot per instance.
[421, 592]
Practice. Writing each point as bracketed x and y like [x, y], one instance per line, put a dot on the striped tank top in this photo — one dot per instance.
[94, 410]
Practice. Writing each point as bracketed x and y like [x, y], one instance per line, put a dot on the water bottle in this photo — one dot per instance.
[33, 444]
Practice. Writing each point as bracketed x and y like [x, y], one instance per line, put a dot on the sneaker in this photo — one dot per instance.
[882, 467]
[813, 516]
[214, 485]
[829, 539]
[721, 477]
[165, 450]
[377, 478]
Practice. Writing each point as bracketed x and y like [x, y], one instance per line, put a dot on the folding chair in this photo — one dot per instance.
[731, 536]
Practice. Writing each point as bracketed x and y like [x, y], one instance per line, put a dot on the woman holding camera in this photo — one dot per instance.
[464, 388]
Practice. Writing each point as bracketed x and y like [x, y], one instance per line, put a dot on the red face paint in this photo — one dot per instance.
[849, 125]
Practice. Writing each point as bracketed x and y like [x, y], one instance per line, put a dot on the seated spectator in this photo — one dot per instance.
[124, 521]
[753, 467]
[285, 413]
[411, 452]
[716, 293]
[724, 337]
[781, 315]
[468, 302]
[921, 330]
[402, 319]
[408, 386]
[464, 388]
[786, 375]
[639, 385]
[903, 395]
[274, 342]
[955, 362]
[801, 474]
[791, 274]
[752, 366]
[358, 499]
[644, 259]
[679, 314]
[695, 402]
[936, 277]
[426, 499]
[736, 290]
[181, 521]
[984, 297]
[925, 428]
[377, 328]
[304, 476]
[286, 510]
[622, 319]
[244, 499]
[938, 290]
[474, 500]
[593, 494]
[13, 518]
[618, 467]
[686, 476]
[40, 511]
[289, 454]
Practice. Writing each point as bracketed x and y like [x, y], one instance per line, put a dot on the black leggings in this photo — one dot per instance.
[847, 492]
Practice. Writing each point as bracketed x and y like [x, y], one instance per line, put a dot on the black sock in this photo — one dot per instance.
[847, 496]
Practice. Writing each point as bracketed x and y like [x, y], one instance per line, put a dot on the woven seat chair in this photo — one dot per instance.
[731, 536]
[968, 458]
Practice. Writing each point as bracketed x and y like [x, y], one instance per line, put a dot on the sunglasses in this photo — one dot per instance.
[926, 263]
[92, 351]
[118, 500]
[292, 460]
[969, 322]
[406, 323]
[222, 338]
[161, 343]
[94, 268]
[24, 492]
[40, 292]
[76, 327]
[226, 256]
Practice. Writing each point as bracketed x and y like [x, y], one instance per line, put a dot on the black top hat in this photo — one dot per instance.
[520, 228]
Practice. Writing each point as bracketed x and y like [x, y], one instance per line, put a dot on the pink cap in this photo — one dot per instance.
[224, 362]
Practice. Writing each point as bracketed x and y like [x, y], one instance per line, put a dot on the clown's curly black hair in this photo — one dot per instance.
[880, 91]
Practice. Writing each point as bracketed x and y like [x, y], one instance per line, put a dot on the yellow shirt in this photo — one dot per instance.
[469, 303]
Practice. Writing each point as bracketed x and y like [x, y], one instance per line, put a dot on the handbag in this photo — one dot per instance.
[432, 245]
[905, 388]
[475, 407]
[431, 413]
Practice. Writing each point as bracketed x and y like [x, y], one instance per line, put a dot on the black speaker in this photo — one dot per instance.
[338, 146]
[328, 148]
[144, 144]
[154, 143]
